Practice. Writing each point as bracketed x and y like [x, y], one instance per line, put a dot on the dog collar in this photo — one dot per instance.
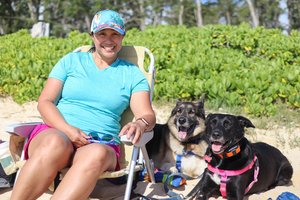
[231, 152]
[179, 157]
[194, 140]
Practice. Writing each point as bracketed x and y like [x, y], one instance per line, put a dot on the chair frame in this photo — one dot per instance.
[139, 157]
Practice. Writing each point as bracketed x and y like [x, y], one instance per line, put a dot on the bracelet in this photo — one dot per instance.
[143, 120]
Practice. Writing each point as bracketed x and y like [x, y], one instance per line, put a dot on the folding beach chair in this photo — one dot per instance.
[133, 157]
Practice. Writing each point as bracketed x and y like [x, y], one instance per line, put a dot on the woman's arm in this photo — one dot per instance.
[51, 115]
[47, 104]
[141, 107]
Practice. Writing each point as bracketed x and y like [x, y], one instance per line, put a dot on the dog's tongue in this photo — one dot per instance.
[216, 147]
[182, 134]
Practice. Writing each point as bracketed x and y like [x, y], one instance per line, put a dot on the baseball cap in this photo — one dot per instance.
[108, 19]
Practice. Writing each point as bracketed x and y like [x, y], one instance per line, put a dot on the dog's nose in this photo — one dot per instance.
[216, 134]
[181, 120]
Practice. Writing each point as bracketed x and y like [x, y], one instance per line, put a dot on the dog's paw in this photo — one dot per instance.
[200, 197]
[168, 167]
[173, 169]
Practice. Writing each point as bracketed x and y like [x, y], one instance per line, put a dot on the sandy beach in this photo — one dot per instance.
[280, 137]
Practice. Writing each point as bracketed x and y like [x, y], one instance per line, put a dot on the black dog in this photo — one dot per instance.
[235, 166]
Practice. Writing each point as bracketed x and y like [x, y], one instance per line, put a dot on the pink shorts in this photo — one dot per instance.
[41, 127]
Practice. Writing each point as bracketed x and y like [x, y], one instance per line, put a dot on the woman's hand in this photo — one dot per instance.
[77, 137]
[135, 129]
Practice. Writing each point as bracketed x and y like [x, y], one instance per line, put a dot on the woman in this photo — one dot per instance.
[81, 105]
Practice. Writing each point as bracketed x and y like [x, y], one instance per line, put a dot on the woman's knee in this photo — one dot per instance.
[51, 145]
[97, 157]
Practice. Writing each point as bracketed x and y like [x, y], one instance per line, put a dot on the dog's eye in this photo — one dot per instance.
[227, 123]
[214, 121]
[179, 111]
[191, 112]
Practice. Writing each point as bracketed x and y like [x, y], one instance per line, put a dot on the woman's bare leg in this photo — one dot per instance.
[49, 152]
[89, 163]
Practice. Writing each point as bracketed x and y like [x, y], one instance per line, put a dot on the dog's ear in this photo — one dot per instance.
[245, 122]
[208, 118]
[174, 110]
[202, 98]
[178, 101]
[200, 107]
[201, 101]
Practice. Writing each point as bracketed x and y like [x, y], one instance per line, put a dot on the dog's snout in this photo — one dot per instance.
[182, 120]
[216, 134]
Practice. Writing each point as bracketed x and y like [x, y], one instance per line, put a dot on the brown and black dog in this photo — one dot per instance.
[235, 166]
[179, 145]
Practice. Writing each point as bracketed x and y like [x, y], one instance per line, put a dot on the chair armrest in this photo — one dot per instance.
[145, 138]
[22, 129]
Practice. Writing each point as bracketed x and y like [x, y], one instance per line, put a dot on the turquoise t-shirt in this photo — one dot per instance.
[93, 99]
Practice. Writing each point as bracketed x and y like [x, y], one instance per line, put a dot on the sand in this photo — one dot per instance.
[280, 137]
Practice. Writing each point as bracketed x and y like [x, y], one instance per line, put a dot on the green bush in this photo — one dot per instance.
[26, 61]
[235, 66]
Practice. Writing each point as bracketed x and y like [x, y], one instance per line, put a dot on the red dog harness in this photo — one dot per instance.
[225, 173]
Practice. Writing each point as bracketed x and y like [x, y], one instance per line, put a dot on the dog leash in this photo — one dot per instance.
[173, 195]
